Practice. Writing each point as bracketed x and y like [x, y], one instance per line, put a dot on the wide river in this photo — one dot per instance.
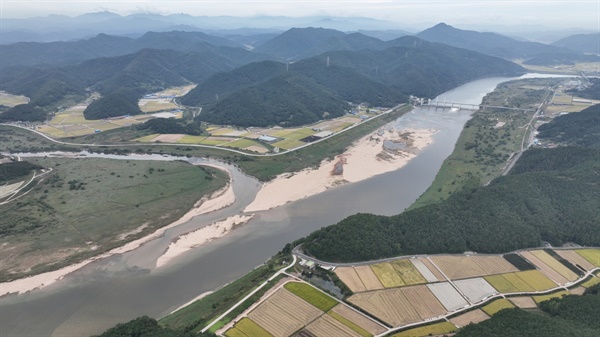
[126, 286]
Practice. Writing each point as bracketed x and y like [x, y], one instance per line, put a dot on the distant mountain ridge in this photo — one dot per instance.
[584, 43]
[501, 46]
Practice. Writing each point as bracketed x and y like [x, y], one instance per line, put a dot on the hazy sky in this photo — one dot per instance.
[557, 14]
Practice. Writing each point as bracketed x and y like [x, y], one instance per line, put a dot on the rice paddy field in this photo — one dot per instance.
[475, 316]
[368, 278]
[342, 311]
[592, 255]
[326, 326]
[311, 295]
[555, 264]
[393, 274]
[542, 298]
[545, 268]
[247, 327]
[576, 259]
[429, 330]
[497, 305]
[524, 302]
[459, 267]
[163, 100]
[524, 281]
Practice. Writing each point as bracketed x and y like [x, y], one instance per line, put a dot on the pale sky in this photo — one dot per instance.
[557, 14]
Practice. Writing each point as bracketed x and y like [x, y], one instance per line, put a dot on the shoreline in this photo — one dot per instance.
[365, 158]
[219, 199]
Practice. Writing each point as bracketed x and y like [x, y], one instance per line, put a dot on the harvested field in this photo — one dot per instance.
[576, 259]
[360, 320]
[433, 269]
[447, 295]
[349, 276]
[424, 301]
[429, 330]
[536, 279]
[249, 328]
[523, 302]
[474, 316]
[167, 138]
[426, 272]
[368, 278]
[547, 270]
[476, 289]
[492, 308]
[327, 326]
[407, 271]
[257, 148]
[542, 298]
[350, 324]
[555, 264]
[390, 305]
[387, 275]
[458, 267]
[283, 313]
[577, 291]
[311, 295]
[592, 255]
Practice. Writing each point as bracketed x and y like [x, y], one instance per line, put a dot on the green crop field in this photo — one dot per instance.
[288, 144]
[591, 282]
[592, 255]
[497, 305]
[500, 283]
[311, 295]
[235, 332]
[536, 279]
[349, 324]
[429, 330]
[88, 206]
[249, 328]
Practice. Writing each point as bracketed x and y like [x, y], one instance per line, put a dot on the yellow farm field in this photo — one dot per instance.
[523, 302]
[349, 276]
[492, 308]
[555, 264]
[475, 316]
[368, 278]
[358, 319]
[408, 272]
[546, 269]
[592, 255]
[386, 273]
[542, 298]
[249, 328]
[524, 281]
[458, 267]
[536, 279]
[10, 100]
[575, 259]
[327, 326]
[288, 144]
[429, 330]
[283, 313]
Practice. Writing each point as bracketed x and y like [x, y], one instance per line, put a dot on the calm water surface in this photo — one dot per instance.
[126, 286]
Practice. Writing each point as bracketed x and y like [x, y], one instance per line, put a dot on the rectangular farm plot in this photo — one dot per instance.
[249, 328]
[386, 273]
[327, 326]
[368, 278]
[544, 268]
[349, 276]
[555, 264]
[576, 259]
[542, 298]
[424, 301]
[358, 319]
[592, 255]
[536, 279]
[283, 313]
[458, 267]
[288, 144]
[497, 305]
[427, 273]
[389, 305]
[407, 271]
[475, 316]
[500, 283]
[447, 295]
[429, 330]
[524, 302]
[311, 295]
[476, 289]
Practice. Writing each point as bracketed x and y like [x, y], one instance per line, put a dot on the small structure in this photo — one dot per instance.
[323, 134]
[267, 139]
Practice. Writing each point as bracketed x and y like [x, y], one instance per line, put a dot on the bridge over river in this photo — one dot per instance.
[466, 106]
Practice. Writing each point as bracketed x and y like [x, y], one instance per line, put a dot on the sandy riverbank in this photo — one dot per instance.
[219, 199]
[366, 158]
[201, 236]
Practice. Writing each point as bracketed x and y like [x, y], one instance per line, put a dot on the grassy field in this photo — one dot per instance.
[311, 295]
[429, 330]
[87, 206]
[497, 305]
[591, 282]
[483, 149]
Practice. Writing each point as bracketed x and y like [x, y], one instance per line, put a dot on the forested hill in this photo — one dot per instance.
[503, 46]
[584, 43]
[577, 128]
[550, 195]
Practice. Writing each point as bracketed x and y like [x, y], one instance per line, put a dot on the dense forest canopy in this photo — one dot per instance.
[591, 92]
[171, 126]
[146, 327]
[13, 170]
[119, 103]
[576, 128]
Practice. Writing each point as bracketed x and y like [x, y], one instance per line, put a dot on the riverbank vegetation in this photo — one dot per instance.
[88, 206]
[489, 139]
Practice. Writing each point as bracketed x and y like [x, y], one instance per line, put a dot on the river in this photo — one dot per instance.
[126, 286]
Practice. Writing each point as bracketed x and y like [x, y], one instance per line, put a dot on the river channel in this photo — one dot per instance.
[125, 286]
